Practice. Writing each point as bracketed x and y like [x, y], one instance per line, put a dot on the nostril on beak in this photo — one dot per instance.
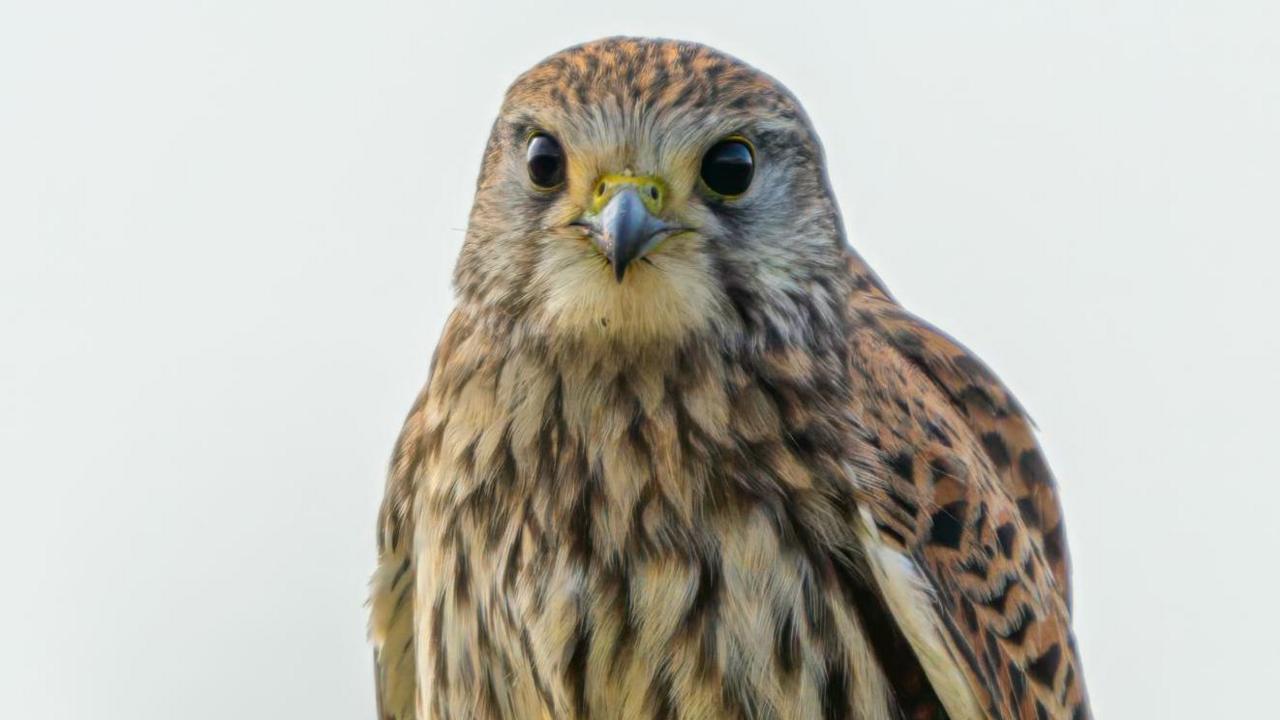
[651, 189]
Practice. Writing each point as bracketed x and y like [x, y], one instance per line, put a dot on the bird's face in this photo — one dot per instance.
[642, 191]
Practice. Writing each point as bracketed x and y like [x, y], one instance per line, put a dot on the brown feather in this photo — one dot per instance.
[742, 483]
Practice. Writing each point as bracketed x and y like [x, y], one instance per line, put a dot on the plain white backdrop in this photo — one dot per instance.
[227, 231]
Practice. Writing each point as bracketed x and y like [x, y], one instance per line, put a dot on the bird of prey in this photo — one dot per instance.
[681, 454]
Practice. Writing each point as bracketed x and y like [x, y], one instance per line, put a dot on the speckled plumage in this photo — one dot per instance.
[741, 483]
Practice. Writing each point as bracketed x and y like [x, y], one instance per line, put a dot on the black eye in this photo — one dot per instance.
[546, 161]
[728, 166]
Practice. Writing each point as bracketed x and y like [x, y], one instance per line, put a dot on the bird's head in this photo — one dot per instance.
[644, 191]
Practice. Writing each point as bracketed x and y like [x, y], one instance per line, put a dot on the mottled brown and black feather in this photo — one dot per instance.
[743, 483]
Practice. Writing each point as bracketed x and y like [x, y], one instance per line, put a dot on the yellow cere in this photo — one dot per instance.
[652, 191]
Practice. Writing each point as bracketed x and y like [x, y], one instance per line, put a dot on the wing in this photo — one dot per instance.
[392, 626]
[391, 595]
[962, 521]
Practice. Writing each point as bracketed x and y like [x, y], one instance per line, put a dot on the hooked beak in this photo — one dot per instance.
[625, 230]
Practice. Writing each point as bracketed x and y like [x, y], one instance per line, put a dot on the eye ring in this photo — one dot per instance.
[544, 161]
[728, 167]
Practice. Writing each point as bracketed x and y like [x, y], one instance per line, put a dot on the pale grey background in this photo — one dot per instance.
[226, 233]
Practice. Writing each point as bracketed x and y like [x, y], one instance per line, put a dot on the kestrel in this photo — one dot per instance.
[681, 454]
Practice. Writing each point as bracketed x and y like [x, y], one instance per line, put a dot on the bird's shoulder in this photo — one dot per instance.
[963, 517]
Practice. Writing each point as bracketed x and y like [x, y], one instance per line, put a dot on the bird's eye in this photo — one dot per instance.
[546, 161]
[728, 166]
